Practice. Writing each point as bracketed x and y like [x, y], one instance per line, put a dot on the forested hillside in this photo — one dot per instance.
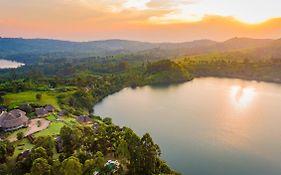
[36, 50]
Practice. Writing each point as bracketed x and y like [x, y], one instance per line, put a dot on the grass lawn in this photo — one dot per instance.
[51, 118]
[21, 146]
[69, 120]
[15, 99]
[13, 134]
[52, 130]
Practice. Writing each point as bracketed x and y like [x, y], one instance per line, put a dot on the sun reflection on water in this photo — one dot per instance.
[242, 96]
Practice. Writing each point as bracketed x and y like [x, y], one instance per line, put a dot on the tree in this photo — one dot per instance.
[56, 167]
[135, 152]
[38, 96]
[107, 121]
[2, 100]
[99, 160]
[40, 166]
[88, 166]
[71, 166]
[4, 169]
[20, 135]
[45, 142]
[39, 152]
[149, 155]
[71, 138]
[6, 150]
[123, 149]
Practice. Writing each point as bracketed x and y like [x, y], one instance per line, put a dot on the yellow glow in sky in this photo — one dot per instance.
[145, 20]
[248, 11]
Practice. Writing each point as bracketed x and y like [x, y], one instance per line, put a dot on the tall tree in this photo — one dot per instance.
[6, 150]
[40, 166]
[45, 142]
[123, 149]
[149, 155]
[71, 138]
[135, 152]
[99, 160]
[39, 152]
[71, 166]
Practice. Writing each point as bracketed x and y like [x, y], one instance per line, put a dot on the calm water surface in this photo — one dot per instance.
[209, 126]
[5, 64]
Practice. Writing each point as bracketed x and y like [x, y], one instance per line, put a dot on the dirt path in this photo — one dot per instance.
[33, 126]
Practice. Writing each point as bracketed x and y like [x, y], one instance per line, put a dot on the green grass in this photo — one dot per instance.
[52, 130]
[16, 99]
[18, 149]
[69, 120]
[52, 118]
[14, 133]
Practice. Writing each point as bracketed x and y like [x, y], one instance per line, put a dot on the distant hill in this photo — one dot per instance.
[31, 49]
[23, 46]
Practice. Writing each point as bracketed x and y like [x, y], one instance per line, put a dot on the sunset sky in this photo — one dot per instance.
[144, 20]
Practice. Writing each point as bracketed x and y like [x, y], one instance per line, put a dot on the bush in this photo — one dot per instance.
[20, 135]
[38, 123]
[107, 121]
[38, 96]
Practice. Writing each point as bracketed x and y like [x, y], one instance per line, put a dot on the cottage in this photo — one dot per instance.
[23, 155]
[41, 112]
[50, 108]
[95, 126]
[62, 113]
[59, 146]
[2, 109]
[84, 119]
[13, 120]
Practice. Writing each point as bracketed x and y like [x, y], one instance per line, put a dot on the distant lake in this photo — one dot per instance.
[6, 64]
[209, 126]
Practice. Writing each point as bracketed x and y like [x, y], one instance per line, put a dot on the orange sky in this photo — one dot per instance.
[144, 20]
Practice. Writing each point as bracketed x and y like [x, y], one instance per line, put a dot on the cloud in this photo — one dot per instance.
[150, 20]
[169, 4]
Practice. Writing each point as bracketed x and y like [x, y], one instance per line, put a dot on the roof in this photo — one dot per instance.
[2, 108]
[62, 113]
[95, 126]
[84, 119]
[13, 118]
[50, 108]
[41, 111]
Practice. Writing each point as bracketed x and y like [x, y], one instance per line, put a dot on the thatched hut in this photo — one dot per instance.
[50, 108]
[12, 120]
[84, 119]
[62, 113]
[44, 111]
[41, 112]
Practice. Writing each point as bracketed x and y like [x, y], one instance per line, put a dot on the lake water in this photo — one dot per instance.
[6, 64]
[208, 126]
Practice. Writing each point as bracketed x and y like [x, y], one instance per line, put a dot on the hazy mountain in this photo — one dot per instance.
[242, 43]
[32, 48]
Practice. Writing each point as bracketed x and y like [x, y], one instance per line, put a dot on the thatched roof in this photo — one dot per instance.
[62, 113]
[41, 112]
[13, 119]
[50, 108]
[95, 126]
[84, 119]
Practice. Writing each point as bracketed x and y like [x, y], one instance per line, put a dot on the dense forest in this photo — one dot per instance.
[74, 87]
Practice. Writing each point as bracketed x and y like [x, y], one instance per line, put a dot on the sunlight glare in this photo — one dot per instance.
[242, 96]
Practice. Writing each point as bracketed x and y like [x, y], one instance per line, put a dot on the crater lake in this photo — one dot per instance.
[210, 126]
